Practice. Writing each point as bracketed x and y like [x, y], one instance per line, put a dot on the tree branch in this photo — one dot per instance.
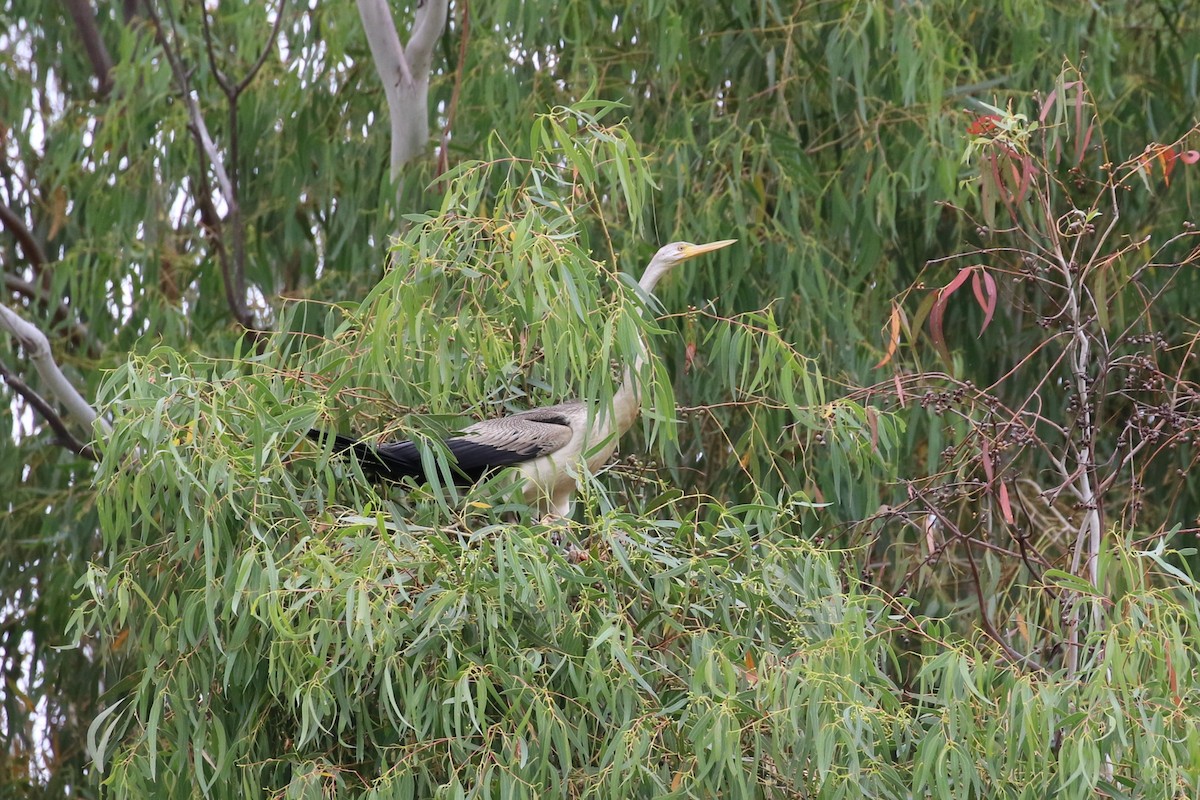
[38, 260]
[404, 72]
[266, 51]
[37, 348]
[384, 42]
[429, 22]
[232, 269]
[29, 245]
[65, 437]
[212, 55]
[85, 23]
[199, 129]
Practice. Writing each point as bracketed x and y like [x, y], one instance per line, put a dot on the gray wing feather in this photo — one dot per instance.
[520, 434]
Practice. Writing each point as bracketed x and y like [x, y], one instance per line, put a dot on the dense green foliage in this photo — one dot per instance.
[846, 560]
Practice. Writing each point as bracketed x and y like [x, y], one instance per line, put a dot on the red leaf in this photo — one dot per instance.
[935, 330]
[873, 424]
[1047, 104]
[984, 287]
[985, 123]
[953, 285]
[938, 311]
[986, 455]
[1087, 140]
[1166, 157]
[1005, 506]
[899, 389]
[1079, 124]
[1172, 677]
[1027, 170]
[751, 669]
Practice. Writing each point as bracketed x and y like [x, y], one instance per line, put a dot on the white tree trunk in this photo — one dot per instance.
[404, 71]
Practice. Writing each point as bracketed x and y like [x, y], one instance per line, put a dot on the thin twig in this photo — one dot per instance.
[1010, 651]
[266, 51]
[199, 128]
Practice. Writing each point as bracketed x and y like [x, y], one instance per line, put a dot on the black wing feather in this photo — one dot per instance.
[471, 460]
[475, 460]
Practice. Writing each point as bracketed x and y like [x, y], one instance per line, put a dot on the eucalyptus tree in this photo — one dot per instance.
[198, 204]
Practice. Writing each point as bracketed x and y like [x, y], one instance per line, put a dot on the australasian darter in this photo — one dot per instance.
[545, 444]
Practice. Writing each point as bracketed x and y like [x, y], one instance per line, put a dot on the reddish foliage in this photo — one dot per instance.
[983, 124]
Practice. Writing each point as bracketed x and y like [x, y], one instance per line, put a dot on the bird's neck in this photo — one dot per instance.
[627, 400]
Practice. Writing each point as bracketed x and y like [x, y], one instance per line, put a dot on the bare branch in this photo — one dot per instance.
[65, 437]
[85, 23]
[1012, 653]
[212, 55]
[37, 348]
[452, 111]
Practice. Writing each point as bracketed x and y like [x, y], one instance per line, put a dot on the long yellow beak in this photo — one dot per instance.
[693, 250]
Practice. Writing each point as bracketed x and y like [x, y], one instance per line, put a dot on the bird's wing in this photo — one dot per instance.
[481, 449]
[494, 443]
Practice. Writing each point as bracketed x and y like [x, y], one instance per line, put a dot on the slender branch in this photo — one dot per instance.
[232, 269]
[32, 249]
[235, 272]
[212, 56]
[93, 43]
[1013, 654]
[37, 348]
[64, 435]
[266, 51]
[199, 129]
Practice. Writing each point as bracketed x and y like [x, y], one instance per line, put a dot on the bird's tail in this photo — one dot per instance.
[375, 463]
[341, 443]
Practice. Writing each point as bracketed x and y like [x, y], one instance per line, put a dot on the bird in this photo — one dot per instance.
[547, 444]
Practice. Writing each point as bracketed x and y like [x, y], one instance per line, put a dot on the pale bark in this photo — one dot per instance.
[404, 71]
[37, 348]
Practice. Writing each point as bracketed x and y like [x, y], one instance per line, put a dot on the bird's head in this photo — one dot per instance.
[673, 254]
